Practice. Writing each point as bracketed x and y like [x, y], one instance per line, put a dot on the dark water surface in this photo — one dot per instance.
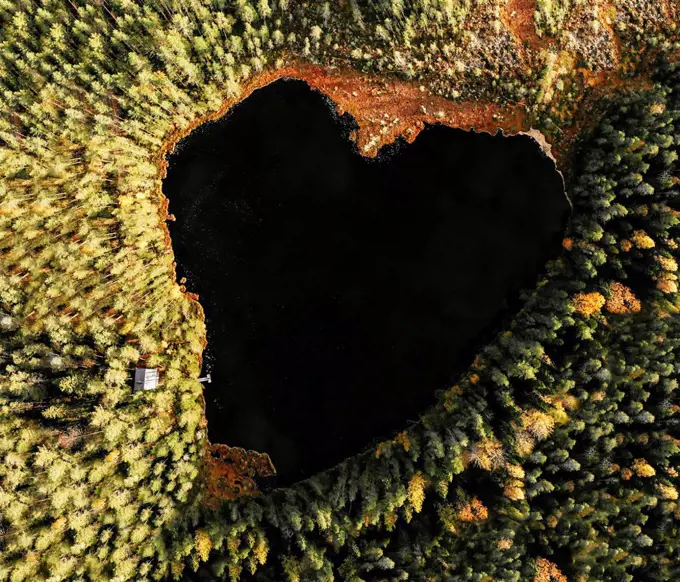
[341, 292]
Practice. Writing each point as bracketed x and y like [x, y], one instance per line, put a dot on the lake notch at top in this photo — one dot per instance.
[341, 292]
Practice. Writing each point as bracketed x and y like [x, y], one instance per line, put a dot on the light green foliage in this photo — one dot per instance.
[550, 15]
[100, 483]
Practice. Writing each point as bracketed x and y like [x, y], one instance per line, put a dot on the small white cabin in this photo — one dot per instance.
[146, 379]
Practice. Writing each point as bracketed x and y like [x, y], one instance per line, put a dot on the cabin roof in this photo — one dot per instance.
[146, 378]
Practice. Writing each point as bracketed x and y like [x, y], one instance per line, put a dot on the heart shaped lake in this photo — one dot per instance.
[341, 292]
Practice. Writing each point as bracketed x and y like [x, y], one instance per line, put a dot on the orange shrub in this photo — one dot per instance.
[622, 300]
[588, 303]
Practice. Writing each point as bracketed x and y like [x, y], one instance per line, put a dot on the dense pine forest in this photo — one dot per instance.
[554, 457]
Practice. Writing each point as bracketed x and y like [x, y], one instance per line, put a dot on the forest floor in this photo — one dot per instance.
[518, 16]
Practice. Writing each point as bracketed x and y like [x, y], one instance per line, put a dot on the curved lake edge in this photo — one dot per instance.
[387, 151]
